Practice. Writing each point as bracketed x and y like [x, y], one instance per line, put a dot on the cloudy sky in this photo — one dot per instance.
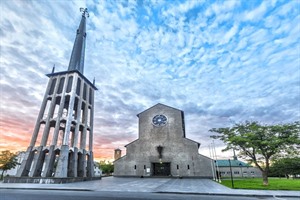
[221, 62]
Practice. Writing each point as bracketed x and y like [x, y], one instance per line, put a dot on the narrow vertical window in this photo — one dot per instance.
[61, 85]
[188, 166]
[75, 111]
[90, 96]
[183, 124]
[82, 112]
[69, 86]
[84, 92]
[78, 86]
[52, 86]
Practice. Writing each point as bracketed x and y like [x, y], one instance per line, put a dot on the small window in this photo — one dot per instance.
[144, 166]
[177, 166]
[236, 172]
[188, 167]
[134, 166]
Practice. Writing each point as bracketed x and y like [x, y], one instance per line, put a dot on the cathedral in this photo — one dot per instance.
[162, 148]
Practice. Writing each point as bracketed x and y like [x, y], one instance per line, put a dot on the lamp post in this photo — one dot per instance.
[212, 163]
[231, 174]
[241, 169]
[216, 163]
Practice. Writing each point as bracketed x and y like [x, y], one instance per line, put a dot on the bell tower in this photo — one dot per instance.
[118, 154]
[62, 141]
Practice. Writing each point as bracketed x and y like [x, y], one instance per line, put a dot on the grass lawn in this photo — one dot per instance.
[256, 184]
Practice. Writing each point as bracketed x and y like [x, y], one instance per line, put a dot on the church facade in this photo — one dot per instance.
[162, 148]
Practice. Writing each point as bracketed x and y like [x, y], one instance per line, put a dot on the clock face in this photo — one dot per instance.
[159, 120]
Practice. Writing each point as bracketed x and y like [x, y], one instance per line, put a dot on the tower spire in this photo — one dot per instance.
[77, 57]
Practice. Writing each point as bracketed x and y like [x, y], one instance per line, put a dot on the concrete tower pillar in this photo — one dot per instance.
[28, 158]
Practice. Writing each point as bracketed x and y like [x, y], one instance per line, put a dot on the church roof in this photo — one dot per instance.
[194, 142]
[131, 142]
[233, 163]
[158, 105]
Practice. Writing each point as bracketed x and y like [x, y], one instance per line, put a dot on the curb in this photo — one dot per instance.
[63, 189]
[161, 192]
[226, 194]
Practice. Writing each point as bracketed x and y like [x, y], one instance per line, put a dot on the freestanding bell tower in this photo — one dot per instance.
[62, 142]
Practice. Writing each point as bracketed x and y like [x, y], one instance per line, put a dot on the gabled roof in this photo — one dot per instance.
[233, 163]
[131, 142]
[157, 105]
[193, 141]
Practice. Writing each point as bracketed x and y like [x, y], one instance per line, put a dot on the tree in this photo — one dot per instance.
[106, 167]
[258, 143]
[285, 167]
[8, 160]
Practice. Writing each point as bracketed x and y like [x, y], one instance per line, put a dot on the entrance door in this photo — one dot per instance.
[161, 169]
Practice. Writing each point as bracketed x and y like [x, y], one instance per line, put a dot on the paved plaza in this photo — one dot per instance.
[153, 185]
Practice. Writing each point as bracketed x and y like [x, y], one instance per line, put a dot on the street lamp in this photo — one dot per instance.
[241, 169]
[231, 174]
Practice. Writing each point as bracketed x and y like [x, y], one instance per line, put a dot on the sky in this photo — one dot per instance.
[221, 62]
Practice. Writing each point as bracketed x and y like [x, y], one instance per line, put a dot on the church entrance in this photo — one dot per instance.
[161, 169]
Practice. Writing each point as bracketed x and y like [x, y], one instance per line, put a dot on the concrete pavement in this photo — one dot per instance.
[154, 185]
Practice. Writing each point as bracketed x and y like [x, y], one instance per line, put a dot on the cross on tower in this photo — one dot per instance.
[85, 12]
